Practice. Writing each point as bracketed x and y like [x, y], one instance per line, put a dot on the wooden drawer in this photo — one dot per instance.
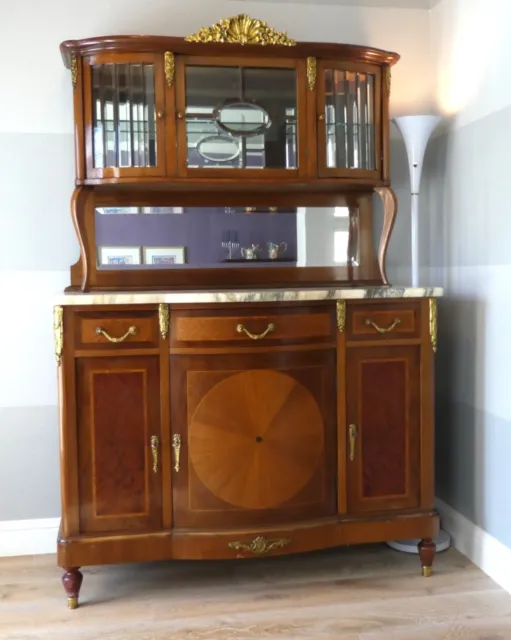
[116, 329]
[252, 327]
[383, 320]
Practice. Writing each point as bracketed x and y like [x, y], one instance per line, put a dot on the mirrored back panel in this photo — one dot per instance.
[226, 237]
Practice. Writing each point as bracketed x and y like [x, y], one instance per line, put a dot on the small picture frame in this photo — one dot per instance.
[155, 210]
[118, 256]
[164, 256]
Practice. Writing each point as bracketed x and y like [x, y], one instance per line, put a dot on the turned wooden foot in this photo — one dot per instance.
[427, 550]
[72, 581]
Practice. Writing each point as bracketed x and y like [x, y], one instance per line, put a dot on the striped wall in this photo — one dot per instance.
[466, 232]
[37, 242]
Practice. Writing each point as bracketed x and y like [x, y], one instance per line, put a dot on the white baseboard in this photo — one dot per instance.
[28, 537]
[485, 551]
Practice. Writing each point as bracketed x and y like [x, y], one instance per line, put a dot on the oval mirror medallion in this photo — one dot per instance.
[218, 148]
[240, 118]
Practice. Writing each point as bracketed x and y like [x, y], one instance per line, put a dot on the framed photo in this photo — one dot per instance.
[164, 255]
[120, 256]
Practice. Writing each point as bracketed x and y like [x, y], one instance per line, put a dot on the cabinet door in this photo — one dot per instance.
[241, 117]
[118, 402]
[383, 420]
[349, 120]
[124, 115]
[257, 438]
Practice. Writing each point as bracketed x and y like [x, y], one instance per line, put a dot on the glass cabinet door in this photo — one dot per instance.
[349, 120]
[239, 117]
[124, 115]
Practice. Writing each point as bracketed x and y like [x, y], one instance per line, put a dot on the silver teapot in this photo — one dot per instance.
[250, 253]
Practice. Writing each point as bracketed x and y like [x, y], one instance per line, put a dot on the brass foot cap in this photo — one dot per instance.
[427, 571]
[72, 603]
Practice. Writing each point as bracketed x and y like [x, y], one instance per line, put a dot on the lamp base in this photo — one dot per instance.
[442, 542]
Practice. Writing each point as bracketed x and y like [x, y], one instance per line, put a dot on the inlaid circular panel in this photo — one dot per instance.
[256, 438]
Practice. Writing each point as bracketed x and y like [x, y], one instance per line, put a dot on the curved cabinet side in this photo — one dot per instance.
[80, 270]
[390, 211]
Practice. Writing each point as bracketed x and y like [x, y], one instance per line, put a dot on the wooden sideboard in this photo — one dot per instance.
[242, 430]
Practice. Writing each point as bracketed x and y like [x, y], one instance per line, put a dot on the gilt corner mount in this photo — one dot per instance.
[242, 29]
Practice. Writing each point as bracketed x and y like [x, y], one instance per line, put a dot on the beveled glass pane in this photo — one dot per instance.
[225, 237]
[123, 115]
[349, 119]
[256, 106]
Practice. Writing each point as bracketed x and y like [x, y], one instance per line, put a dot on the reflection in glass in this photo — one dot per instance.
[256, 107]
[226, 237]
[123, 114]
[349, 119]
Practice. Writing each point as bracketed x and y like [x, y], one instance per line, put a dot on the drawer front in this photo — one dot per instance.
[252, 327]
[116, 329]
[383, 321]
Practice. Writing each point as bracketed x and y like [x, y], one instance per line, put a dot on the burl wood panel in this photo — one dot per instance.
[116, 324]
[297, 325]
[118, 406]
[384, 405]
[395, 321]
[258, 434]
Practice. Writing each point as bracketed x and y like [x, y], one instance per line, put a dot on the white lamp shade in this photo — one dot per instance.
[416, 132]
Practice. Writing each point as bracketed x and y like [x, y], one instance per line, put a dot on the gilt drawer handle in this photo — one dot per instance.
[260, 545]
[396, 322]
[155, 444]
[176, 445]
[353, 433]
[132, 331]
[255, 336]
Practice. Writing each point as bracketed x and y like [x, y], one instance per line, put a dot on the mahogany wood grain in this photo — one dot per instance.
[220, 326]
[342, 451]
[79, 124]
[79, 270]
[118, 402]
[389, 217]
[383, 404]
[385, 120]
[116, 323]
[320, 534]
[160, 44]
[404, 317]
[258, 438]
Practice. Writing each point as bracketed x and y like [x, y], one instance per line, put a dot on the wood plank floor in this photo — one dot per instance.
[360, 593]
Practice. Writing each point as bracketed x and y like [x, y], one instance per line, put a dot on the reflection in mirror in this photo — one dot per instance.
[255, 107]
[226, 237]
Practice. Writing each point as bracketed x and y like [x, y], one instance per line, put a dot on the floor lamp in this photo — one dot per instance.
[416, 132]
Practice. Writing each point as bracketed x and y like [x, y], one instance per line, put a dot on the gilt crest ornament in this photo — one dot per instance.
[241, 29]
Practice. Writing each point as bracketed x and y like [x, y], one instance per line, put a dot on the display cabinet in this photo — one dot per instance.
[237, 378]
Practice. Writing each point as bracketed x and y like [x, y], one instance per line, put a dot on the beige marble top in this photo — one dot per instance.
[256, 295]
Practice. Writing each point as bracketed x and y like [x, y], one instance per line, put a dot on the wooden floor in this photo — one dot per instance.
[360, 593]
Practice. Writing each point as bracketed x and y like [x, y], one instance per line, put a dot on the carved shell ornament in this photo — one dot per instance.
[242, 29]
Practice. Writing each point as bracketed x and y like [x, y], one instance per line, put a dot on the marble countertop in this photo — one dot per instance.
[255, 295]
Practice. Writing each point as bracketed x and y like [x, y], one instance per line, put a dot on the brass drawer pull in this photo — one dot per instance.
[176, 445]
[254, 336]
[370, 323]
[132, 331]
[155, 443]
[353, 433]
[260, 545]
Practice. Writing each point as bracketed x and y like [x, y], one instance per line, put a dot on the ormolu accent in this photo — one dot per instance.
[155, 443]
[241, 29]
[312, 71]
[353, 433]
[388, 329]
[176, 445]
[72, 603]
[341, 315]
[256, 336]
[388, 79]
[433, 327]
[260, 545]
[58, 332]
[427, 571]
[132, 331]
[74, 70]
[163, 317]
[170, 67]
